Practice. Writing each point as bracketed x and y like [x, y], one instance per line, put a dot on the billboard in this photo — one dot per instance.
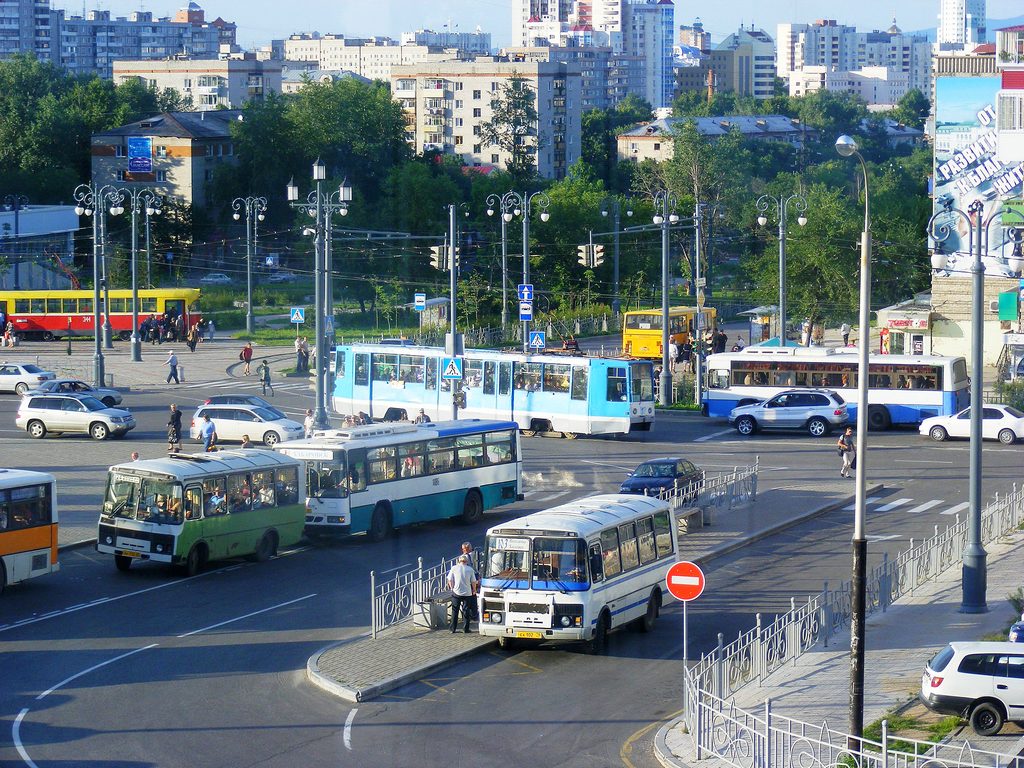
[969, 167]
[140, 154]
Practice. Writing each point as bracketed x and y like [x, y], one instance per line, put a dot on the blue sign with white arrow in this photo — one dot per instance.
[525, 291]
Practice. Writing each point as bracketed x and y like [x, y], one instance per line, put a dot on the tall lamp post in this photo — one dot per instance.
[974, 575]
[139, 201]
[612, 204]
[255, 209]
[698, 349]
[665, 218]
[150, 212]
[337, 200]
[781, 206]
[92, 201]
[495, 202]
[512, 204]
[15, 202]
[847, 147]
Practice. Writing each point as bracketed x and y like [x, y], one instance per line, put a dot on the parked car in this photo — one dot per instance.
[818, 411]
[998, 422]
[72, 413]
[216, 278]
[255, 400]
[981, 682]
[657, 475]
[21, 377]
[109, 397]
[281, 277]
[233, 421]
[1016, 633]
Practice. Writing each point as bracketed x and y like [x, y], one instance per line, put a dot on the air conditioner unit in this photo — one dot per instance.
[993, 306]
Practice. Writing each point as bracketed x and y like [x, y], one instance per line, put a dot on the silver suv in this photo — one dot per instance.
[816, 410]
[84, 414]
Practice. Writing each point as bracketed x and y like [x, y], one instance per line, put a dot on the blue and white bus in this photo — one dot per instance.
[573, 395]
[372, 479]
[903, 389]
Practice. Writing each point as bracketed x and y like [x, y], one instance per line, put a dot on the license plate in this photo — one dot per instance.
[130, 553]
[530, 635]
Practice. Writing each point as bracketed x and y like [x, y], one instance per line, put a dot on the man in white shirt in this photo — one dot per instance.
[462, 583]
[845, 331]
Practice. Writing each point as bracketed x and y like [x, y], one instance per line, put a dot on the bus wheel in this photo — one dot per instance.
[646, 622]
[124, 335]
[267, 547]
[472, 508]
[528, 432]
[123, 563]
[47, 336]
[196, 560]
[878, 418]
[380, 523]
[599, 642]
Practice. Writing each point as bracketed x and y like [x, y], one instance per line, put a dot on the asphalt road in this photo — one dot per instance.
[151, 669]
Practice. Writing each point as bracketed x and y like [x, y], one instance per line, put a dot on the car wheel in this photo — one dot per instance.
[99, 431]
[1007, 436]
[271, 438]
[37, 429]
[745, 425]
[938, 434]
[21, 388]
[109, 402]
[817, 427]
[987, 719]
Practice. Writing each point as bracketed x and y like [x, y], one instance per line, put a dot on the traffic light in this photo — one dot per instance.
[598, 259]
[584, 258]
[437, 257]
[459, 399]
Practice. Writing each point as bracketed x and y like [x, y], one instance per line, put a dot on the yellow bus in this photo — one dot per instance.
[28, 525]
[641, 329]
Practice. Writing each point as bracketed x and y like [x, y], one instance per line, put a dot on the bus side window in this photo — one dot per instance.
[645, 538]
[362, 370]
[357, 470]
[339, 364]
[193, 503]
[610, 552]
[616, 384]
[662, 533]
[596, 564]
[504, 378]
[286, 481]
[431, 373]
[627, 540]
[579, 382]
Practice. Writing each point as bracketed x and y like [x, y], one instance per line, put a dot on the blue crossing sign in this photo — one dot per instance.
[538, 340]
[298, 315]
[526, 310]
[451, 368]
[525, 291]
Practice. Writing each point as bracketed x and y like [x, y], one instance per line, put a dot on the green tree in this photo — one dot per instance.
[513, 127]
[599, 131]
[912, 109]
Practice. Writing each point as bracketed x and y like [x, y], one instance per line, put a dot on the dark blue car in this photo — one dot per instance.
[656, 475]
[1017, 632]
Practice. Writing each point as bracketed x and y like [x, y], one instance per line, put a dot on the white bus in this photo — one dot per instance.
[903, 389]
[577, 571]
[375, 478]
[28, 525]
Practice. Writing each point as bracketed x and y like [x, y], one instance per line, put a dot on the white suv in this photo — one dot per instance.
[816, 410]
[234, 421]
[71, 412]
[983, 682]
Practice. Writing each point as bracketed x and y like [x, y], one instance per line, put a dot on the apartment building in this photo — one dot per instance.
[649, 32]
[744, 63]
[877, 86]
[447, 102]
[656, 140]
[606, 78]
[962, 25]
[477, 42]
[28, 26]
[210, 83]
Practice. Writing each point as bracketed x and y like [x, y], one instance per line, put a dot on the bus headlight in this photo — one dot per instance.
[108, 540]
[566, 621]
[159, 547]
[496, 617]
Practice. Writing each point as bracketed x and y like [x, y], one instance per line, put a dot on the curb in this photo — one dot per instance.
[662, 753]
[357, 695]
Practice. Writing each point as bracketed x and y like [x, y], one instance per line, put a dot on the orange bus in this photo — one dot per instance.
[28, 525]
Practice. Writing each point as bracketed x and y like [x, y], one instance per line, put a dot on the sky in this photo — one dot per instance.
[259, 21]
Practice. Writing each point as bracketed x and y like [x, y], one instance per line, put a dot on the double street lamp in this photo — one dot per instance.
[665, 218]
[781, 205]
[15, 202]
[513, 204]
[613, 205]
[93, 200]
[139, 201]
[320, 206]
[255, 210]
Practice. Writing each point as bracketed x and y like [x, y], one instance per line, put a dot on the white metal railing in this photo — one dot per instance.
[723, 491]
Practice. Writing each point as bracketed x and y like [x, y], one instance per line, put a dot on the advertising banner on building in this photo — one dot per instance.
[140, 154]
[969, 167]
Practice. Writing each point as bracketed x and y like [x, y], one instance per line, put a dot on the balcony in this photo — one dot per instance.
[404, 92]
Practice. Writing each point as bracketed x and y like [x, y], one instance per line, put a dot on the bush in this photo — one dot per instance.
[1011, 393]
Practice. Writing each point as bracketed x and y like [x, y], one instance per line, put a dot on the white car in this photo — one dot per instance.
[216, 278]
[21, 377]
[234, 421]
[998, 422]
[281, 277]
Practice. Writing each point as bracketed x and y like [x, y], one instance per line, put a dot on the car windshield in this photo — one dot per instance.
[32, 368]
[92, 403]
[654, 470]
[267, 414]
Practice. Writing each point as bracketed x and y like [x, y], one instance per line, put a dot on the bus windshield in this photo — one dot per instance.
[559, 564]
[148, 499]
[326, 479]
[643, 383]
[122, 495]
[507, 559]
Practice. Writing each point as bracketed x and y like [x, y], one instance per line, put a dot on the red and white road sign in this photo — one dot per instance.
[685, 581]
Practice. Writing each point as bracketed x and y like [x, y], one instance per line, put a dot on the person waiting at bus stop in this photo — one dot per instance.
[461, 579]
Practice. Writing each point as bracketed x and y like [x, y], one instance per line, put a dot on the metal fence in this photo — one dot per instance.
[718, 728]
[723, 491]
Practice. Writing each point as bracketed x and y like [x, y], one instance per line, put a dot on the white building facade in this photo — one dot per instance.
[962, 24]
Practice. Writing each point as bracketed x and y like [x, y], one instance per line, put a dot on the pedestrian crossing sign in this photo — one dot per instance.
[451, 368]
[538, 340]
[298, 315]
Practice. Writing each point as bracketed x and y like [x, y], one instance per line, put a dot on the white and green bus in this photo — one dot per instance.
[577, 571]
[192, 508]
[372, 479]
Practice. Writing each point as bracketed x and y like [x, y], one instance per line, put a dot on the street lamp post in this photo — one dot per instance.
[667, 216]
[974, 575]
[92, 200]
[336, 201]
[698, 348]
[149, 255]
[781, 205]
[319, 206]
[15, 202]
[613, 204]
[255, 209]
[139, 200]
[847, 147]
[495, 202]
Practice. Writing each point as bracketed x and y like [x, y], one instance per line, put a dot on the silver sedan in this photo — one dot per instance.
[109, 397]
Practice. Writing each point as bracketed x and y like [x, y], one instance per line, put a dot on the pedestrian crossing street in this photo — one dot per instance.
[884, 504]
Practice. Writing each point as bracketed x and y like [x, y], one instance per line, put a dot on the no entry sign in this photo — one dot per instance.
[685, 581]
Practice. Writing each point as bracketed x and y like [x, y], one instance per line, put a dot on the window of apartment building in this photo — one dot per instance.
[494, 159]
[209, 150]
[476, 149]
[476, 130]
[458, 122]
[495, 85]
[151, 82]
[208, 176]
[458, 140]
[458, 103]
[186, 84]
[161, 176]
[435, 84]
[657, 146]
[120, 151]
[161, 151]
[476, 112]
[458, 85]
[476, 94]
[122, 175]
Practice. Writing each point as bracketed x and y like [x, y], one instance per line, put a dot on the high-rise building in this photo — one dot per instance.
[961, 24]
[469, 42]
[649, 33]
[372, 57]
[27, 26]
[744, 63]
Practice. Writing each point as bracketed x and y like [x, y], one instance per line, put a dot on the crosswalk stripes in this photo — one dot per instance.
[893, 504]
[958, 508]
[925, 507]
[237, 384]
[897, 503]
[868, 500]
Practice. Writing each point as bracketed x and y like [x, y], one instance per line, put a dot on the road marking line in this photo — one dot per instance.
[926, 506]
[16, 738]
[713, 435]
[958, 508]
[893, 504]
[64, 682]
[868, 500]
[884, 537]
[605, 464]
[246, 616]
[348, 729]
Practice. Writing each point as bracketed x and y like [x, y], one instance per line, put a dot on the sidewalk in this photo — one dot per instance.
[815, 688]
[363, 668]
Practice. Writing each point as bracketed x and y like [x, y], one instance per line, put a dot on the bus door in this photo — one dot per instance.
[174, 308]
[503, 398]
[359, 519]
[361, 382]
[489, 390]
[327, 486]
